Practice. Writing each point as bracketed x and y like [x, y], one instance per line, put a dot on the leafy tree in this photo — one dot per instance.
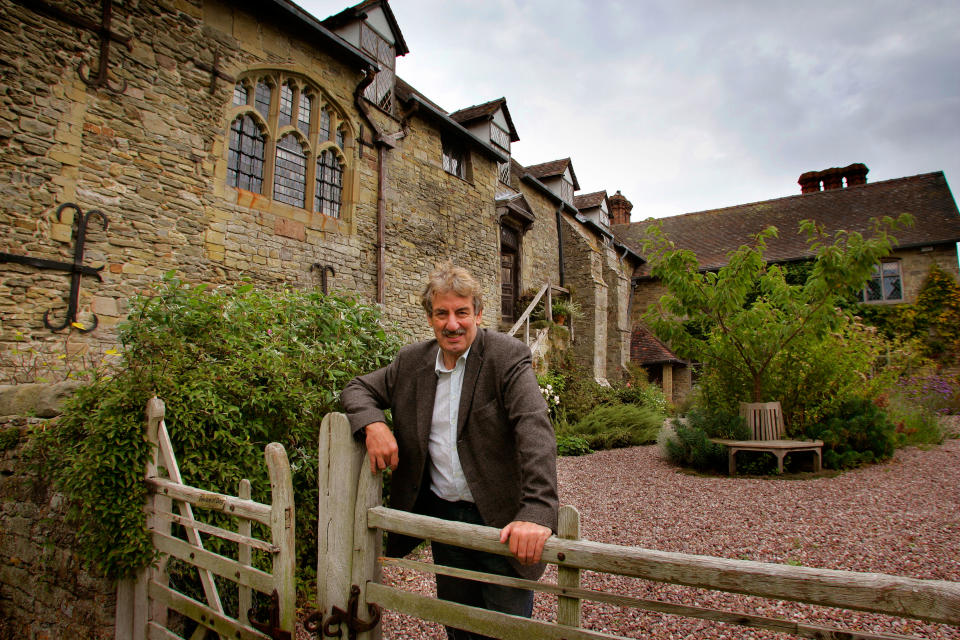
[747, 315]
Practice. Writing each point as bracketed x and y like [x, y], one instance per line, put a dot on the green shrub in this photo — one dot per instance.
[237, 369]
[616, 426]
[572, 445]
[857, 432]
[690, 446]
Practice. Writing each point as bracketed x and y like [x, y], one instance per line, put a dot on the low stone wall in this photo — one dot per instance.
[44, 592]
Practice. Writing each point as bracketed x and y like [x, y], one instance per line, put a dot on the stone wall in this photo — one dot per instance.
[153, 159]
[915, 266]
[44, 592]
[584, 277]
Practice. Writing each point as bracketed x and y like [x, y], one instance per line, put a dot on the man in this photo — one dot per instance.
[472, 441]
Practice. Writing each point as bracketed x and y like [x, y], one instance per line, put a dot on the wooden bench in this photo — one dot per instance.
[766, 422]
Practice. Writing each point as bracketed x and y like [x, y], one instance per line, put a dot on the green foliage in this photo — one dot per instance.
[932, 322]
[856, 432]
[620, 425]
[572, 445]
[688, 443]
[746, 315]
[238, 369]
[9, 438]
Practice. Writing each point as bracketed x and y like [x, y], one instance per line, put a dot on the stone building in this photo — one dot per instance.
[252, 140]
[837, 198]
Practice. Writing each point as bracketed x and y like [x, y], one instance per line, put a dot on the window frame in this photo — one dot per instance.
[453, 151]
[339, 139]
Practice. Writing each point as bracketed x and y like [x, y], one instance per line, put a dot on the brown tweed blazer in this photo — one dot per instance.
[505, 439]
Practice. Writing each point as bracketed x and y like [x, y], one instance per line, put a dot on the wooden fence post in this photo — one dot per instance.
[339, 465]
[283, 533]
[244, 556]
[568, 528]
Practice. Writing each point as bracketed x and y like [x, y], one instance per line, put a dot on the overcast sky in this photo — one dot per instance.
[686, 105]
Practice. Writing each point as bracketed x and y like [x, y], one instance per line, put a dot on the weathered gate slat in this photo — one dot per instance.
[156, 632]
[223, 567]
[690, 611]
[210, 500]
[201, 613]
[225, 534]
[484, 621]
[930, 600]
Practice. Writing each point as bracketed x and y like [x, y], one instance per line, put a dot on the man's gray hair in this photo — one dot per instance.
[448, 278]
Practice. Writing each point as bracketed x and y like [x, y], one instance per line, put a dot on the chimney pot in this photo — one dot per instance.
[620, 208]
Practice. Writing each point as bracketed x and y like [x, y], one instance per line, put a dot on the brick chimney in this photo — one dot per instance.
[620, 208]
[833, 178]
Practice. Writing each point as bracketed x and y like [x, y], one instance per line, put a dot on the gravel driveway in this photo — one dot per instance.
[900, 518]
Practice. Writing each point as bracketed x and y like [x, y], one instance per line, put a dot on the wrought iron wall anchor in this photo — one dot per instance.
[338, 618]
[215, 71]
[76, 269]
[104, 31]
[323, 269]
[271, 628]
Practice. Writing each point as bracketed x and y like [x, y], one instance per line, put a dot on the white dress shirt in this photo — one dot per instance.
[446, 474]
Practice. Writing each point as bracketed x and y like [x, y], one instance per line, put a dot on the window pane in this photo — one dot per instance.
[239, 95]
[244, 165]
[500, 137]
[262, 98]
[290, 172]
[872, 291]
[340, 136]
[329, 184]
[285, 116]
[324, 125]
[303, 113]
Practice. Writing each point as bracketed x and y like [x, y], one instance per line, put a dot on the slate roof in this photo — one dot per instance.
[646, 348]
[712, 234]
[553, 168]
[589, 200]
[485, 111]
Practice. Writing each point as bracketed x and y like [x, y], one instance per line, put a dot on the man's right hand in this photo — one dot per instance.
[381, 447]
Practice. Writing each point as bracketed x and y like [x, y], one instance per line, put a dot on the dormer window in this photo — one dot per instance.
[566, 190]
[380, 91]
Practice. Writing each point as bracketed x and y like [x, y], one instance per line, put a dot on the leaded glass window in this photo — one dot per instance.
[500, 137]
[261, 98]
[239, 95]
[245, 159]
[290, 172]
[302, 168]
[885, 283]
[303, 114]
[380, 91]
[285, 116]
[454, 158]
[329, 184]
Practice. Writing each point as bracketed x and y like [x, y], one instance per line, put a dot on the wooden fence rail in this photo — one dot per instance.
[928, 600]
[143, 604]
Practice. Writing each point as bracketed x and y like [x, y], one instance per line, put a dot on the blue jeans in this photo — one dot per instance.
[518, 602]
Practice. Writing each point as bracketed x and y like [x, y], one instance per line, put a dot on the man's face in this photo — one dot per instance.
[455, 325]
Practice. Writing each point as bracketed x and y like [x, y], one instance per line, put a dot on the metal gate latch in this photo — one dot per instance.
[339, 618]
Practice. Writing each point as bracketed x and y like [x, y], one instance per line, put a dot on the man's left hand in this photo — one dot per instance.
[526, 540]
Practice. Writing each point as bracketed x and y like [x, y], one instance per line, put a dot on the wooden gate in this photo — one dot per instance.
[352, 519]
[143, 604]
